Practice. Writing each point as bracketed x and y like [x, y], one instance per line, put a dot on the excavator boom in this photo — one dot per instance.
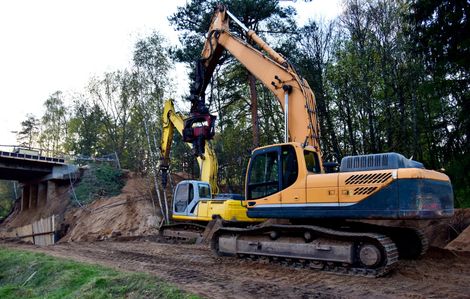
[207, 163]
[292, 91]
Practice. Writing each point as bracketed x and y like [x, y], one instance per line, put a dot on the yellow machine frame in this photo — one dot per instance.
[207, 208]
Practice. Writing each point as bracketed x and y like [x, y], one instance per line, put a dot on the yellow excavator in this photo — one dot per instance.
[196, 202]
[319, 208]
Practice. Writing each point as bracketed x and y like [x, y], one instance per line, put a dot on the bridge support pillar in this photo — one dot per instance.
[50, 190]
[25, 197]
[33, 195]
[42, 194]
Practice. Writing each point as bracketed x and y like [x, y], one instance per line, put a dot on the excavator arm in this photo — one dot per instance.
[207, 164]
[292, 91]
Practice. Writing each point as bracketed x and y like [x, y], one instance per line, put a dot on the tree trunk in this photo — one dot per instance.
[352, 140]
[416, 151]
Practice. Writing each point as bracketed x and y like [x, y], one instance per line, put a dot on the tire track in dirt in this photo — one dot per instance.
[194, 269]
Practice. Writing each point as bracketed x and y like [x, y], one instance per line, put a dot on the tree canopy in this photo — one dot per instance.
[387, 76]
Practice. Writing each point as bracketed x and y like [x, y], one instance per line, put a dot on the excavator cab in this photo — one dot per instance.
[193, 201]
[275, 168]
[187, 196]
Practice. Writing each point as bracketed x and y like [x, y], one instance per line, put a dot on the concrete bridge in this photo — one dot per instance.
[37, 174]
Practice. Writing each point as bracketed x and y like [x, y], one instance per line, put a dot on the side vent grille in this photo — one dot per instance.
[364, 190]
[371, 178]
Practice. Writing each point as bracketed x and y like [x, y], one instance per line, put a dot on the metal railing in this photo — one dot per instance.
[46, 155]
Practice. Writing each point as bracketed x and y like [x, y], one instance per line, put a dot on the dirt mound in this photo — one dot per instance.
[180, 176]
[441, 232]
[131, 213]
[462, 242]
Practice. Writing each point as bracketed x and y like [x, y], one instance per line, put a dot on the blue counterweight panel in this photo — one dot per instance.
[422, 198]
[402, 199]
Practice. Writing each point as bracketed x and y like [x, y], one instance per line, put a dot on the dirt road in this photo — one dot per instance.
[439, 274]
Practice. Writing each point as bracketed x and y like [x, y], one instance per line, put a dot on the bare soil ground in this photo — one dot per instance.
[440, 274]
[462, 242]
[130, 213]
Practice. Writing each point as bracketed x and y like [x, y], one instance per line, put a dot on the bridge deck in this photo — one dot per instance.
[32, 157]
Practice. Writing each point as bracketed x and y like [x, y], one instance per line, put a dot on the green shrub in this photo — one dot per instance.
[458, 171]
[7, 198]
[100, 180]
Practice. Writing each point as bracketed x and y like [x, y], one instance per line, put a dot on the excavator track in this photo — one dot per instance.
[182, 232]
[411, 242]
[314, 247]
[424, 241]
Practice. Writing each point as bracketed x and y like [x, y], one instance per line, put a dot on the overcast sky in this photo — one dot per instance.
[52, 45]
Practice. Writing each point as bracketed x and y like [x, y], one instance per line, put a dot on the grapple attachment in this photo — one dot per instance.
[197, 129]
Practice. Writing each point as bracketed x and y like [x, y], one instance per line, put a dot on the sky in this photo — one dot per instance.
[52, 45]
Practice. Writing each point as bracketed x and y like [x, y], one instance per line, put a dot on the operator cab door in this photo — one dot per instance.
[184, 199]
[264, 178]
[293, 180]
[272, 170]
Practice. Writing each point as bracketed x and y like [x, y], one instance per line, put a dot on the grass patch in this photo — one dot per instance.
[36, 275]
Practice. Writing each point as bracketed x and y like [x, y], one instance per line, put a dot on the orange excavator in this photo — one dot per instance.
[315, 209]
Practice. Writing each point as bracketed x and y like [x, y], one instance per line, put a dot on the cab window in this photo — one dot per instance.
[289, 166]
[190, 193]
[311, 160]
[183, 195]
[204, 191]
[264, 175]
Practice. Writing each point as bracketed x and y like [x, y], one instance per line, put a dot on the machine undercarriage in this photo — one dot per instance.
[358, 249]
[347, 248]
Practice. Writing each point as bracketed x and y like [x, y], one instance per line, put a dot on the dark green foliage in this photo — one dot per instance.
[459, 169]
[99, 180]
[182, 158]
[28, 135]
[233, 153]
[387, 76]
[33, 275]
[86, 131]
[7, 197]
[441, 32]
